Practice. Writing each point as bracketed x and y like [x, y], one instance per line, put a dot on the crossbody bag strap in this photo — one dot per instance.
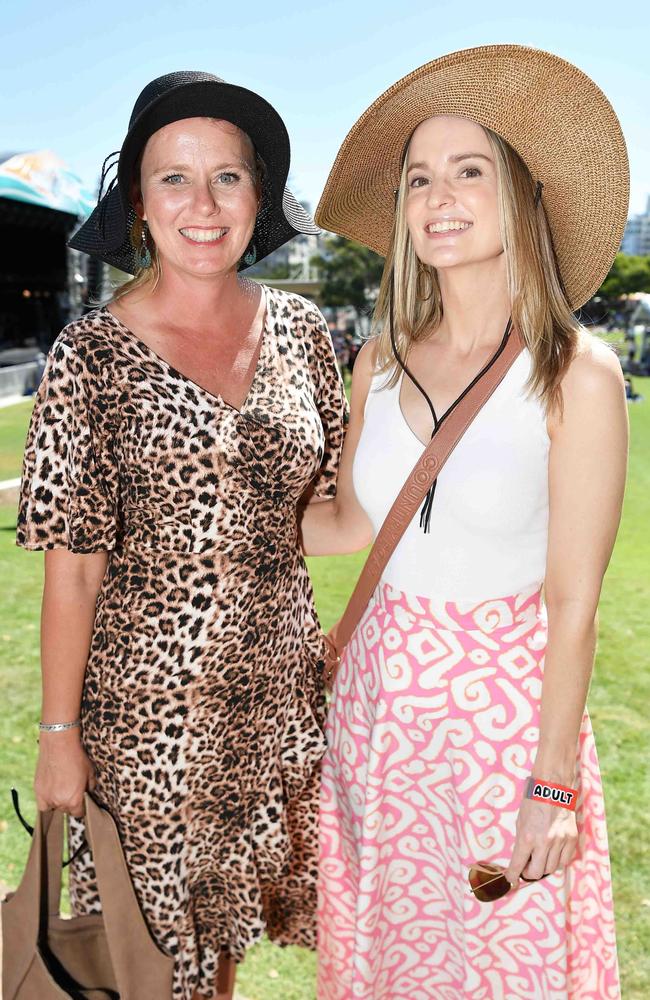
[425, 472]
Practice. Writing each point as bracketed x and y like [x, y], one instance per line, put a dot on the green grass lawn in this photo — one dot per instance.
[618, 702]
[13, 421]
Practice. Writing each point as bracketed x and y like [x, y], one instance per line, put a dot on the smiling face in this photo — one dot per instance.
[451, 205]
[199, 195]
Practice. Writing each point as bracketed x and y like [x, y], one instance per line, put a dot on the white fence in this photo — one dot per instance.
[17, 380]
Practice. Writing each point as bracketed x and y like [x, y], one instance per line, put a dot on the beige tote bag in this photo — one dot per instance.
[109, 956]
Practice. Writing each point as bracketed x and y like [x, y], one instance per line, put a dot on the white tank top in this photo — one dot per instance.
[489, 519]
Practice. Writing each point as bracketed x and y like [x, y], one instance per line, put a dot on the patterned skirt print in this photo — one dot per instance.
[432, 731]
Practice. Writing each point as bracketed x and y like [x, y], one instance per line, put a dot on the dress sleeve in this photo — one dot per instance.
[69, 482]
[333, 409]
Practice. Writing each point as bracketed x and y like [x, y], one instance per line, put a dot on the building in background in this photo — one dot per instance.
[636, 240]
[293, 260]
[290, 266]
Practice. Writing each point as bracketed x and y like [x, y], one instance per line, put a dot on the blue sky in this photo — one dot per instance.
[70, 71]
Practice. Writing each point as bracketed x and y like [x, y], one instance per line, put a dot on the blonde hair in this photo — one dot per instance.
[146, 278]
[539, 307]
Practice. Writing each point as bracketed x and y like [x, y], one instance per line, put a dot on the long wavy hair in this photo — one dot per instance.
[146, 278]
[539, 306]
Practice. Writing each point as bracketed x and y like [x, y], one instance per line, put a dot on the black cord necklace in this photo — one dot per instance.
[425, 513]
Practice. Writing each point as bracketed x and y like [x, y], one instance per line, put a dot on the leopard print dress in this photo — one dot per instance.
[203, 706]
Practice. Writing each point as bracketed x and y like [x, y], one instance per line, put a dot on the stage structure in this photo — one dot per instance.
[43, 284]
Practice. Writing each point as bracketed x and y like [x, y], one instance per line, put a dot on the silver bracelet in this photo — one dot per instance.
[57, 727]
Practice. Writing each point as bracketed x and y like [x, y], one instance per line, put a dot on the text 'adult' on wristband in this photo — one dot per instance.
[547, 791]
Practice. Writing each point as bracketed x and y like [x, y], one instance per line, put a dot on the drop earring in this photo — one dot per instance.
[250, 256]
[143, 255]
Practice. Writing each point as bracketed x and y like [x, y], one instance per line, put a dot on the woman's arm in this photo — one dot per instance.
[72, 582]
[332, 527]
[587, 465]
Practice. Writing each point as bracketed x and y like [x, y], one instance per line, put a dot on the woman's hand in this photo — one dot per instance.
[63, 773]
[546, 840]
[332, 657]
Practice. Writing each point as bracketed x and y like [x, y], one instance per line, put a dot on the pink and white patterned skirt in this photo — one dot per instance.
[432, 732]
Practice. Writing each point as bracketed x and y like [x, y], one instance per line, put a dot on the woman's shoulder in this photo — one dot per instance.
[301, 327]
[595, 369]
[293, 308]
[366, 359]
[593, 388]
[92, 330]
[83, 348]
[363, 374]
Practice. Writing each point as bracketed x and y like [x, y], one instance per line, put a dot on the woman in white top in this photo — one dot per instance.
[459, 744]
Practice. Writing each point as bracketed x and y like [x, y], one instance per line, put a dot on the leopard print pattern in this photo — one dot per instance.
[203, 705]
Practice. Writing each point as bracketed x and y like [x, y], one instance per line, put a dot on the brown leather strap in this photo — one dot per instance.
[426, 470]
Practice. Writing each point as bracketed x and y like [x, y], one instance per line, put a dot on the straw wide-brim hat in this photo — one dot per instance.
[191, 94]
[553, 115]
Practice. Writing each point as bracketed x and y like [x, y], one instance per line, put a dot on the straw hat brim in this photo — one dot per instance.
[549, 111]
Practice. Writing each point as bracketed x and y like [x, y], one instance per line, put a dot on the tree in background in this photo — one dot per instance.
[349, 274]
[628, 274]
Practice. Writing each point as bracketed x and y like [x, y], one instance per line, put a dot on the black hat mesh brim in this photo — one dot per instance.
[103, 237]
[107, 232]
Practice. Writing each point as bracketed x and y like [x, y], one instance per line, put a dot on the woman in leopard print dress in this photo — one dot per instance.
[175, 433]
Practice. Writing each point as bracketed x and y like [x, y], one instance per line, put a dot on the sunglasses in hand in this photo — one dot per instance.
[488, 882]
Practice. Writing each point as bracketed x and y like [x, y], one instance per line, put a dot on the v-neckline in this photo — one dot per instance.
[415, 437]
[217, 397]
[439, 420]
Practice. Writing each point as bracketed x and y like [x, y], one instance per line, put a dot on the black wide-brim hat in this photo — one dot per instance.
[107, 231]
